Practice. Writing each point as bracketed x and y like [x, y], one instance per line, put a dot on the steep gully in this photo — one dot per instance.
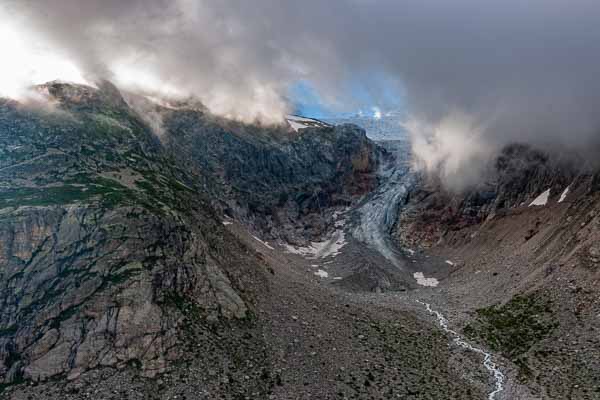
[377, 216]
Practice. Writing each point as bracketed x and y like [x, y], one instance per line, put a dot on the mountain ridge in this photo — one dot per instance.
[111, 245]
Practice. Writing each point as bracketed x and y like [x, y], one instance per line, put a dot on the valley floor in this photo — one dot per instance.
[340, 320]
[331, 342]
[318, 340]
[322, 337]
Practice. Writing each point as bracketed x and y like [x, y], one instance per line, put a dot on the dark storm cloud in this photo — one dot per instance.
[497, 71]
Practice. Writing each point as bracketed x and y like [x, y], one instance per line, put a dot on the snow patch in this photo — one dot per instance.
[338, 217]
[337, 278]
[328, 248]
[227, 223]
[421, 280]
[322, 274]
[301, 119]
[564, 194]
[541, 200]
[266, 244]
[298, 123]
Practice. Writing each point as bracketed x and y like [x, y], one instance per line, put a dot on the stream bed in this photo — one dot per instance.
[488, 363]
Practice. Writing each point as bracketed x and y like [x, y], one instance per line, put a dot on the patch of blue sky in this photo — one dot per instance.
[369, 94]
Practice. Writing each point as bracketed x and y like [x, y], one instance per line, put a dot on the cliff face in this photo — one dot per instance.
[279, 181]
[519, 176]
[112, 246]
[107, 247]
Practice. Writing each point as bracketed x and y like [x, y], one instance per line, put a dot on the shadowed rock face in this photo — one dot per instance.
[520, 174]
[279, 181]
[110, 245]
[106, 244]
[86, 287]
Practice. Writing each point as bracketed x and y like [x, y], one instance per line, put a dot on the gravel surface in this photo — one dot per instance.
[312, 339]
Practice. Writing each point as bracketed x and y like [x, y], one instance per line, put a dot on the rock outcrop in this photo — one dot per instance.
[280, 181]
[107, 247]
[519, 175]
[112, 245]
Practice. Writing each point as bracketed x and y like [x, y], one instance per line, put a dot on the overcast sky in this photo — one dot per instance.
[490, 71]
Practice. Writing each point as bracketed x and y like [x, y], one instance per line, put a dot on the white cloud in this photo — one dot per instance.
[28, 60]
[453, 148]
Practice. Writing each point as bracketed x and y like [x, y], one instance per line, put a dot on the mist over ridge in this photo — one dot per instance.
[476, 76]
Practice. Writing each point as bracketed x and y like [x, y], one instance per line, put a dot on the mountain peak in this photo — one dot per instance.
[105, 95]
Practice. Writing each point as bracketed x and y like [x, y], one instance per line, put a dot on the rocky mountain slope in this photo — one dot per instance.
[283, 182]
[519, 176]
[524, 271]
[134, 261]
[112, 248]
[108, 249]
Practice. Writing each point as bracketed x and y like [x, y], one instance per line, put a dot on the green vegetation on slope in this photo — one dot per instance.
[514, 328]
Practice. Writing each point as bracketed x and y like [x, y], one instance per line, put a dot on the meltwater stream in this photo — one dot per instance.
[377, 216]
[487, 357]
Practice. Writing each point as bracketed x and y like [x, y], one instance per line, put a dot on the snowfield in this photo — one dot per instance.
[327, 248]
[297, 123]
[322, 274]
[542, 199]
[564, 195]
[421, 280]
